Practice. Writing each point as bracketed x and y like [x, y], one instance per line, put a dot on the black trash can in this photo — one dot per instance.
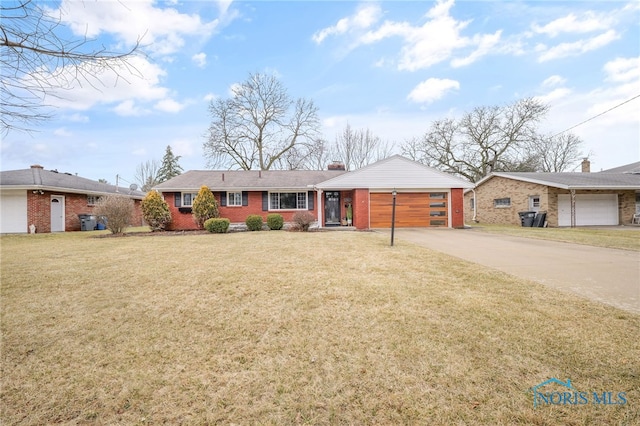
[87, 222]
[527, 218]
[538, 222]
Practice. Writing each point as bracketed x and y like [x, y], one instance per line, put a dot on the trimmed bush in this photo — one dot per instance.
[254, 222]
[118, 209]
[217, 225]
[303, 220]
[204, 206]
[155, 211]
[275, 221]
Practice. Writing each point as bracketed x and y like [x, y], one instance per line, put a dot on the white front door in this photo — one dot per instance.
[57, 213]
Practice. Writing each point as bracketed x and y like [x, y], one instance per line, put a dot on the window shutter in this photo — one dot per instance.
[245, 198]
[177, 197]
[265, 201]
[223, 198]
[310, 200]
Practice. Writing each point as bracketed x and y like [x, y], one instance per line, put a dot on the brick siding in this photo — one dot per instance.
[39, 211]
[519, 192]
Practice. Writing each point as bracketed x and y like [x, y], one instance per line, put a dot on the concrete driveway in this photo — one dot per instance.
[605, 275]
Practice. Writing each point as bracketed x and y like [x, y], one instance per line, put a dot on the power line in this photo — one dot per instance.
[595, 116]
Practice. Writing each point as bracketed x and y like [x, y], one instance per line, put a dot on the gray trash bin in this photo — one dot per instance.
[87, 222]
[527, 218]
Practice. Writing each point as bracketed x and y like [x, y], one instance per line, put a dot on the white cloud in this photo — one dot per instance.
[182, 147]
[210, 97]
[200, 59]
[554, 80]
[486, 43]
[129, 108]
[554, 95]
[563, 50]
[169, 105]
[623, 69]
[572, 24]
[432, 89]
[78, 118]
[140, 81]
[63, 132]
[163, 30]
[366, 15]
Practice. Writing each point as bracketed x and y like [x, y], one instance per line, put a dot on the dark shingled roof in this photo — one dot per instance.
[49, 180]
[247, 180]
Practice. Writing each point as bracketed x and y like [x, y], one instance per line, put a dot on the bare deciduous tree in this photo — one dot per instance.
[147, 174]
[358, 148]
[557, 154]
[37, 57]
[487, 139]
[259, 125]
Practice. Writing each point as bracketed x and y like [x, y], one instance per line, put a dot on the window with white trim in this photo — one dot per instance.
[92, 200]
[502, 202]
[187, 198]
[234, 198]
[287, 201]
[534, 202]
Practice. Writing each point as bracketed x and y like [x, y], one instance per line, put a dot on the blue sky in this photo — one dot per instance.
[390, 67]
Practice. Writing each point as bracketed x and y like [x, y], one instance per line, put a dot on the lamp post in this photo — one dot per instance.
[393, 214]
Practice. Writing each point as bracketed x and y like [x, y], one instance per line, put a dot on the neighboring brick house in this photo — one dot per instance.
[569, 199]
[425, 196]
[52, 201]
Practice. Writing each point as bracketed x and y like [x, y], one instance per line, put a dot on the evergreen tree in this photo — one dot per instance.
[155, 211]
[170, 167]
[204, 206]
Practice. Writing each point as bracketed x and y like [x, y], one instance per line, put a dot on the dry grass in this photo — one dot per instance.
[293, 328]
[626, 238]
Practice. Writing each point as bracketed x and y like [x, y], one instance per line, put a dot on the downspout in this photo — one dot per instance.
[319, 206]
[475, 206]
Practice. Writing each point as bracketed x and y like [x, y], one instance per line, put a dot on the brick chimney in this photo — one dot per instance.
[36, 166]
[336, 165]
[586, 165]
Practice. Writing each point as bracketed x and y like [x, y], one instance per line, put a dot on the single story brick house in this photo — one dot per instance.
[424, 196]
[569, 199]
[52, 201]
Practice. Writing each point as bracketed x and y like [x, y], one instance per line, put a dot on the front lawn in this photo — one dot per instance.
[294, 328]
[620, 237]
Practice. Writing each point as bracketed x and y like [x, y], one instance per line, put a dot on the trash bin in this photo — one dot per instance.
[538, 222]
[101, 225]
[527, 218]
[87, 222]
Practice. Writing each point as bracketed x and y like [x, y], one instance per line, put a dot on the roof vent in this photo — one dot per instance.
[36, 166]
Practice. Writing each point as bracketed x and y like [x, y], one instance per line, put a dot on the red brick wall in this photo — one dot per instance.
[457, 208]
[361, 208]
[236, 214]
[39, 211]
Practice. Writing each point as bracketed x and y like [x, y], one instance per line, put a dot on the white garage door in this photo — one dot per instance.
[13, 212]
[591, 209]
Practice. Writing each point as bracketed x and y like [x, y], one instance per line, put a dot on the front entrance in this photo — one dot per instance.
[57, 213]
[332, 208]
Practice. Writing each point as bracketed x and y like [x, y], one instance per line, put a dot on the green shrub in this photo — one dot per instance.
[303, 220]
[218, 225]
[155, 211]
[254, 222]
[275, 221]
[204, 206]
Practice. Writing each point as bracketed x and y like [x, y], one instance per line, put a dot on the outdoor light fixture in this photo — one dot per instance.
[393, 214]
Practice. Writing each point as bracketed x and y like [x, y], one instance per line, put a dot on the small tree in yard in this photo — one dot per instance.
[204, 206]
[155, 211]
[118, 210]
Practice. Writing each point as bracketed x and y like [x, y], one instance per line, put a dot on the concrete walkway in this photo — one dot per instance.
[609, 276]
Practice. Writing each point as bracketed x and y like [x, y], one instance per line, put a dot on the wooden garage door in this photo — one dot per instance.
[416, 209]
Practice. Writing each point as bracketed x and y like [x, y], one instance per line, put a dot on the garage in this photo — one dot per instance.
[415, 209]
[13, 212]
[591, 209]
